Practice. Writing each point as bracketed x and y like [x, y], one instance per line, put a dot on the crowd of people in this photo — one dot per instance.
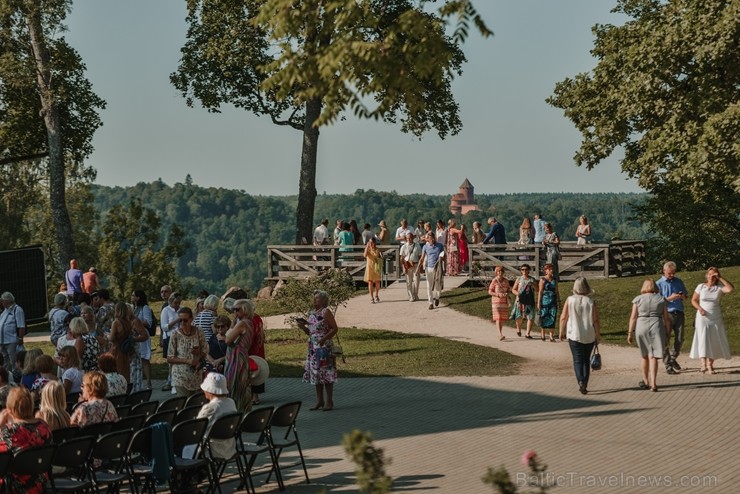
[449, 239]
[657, 314]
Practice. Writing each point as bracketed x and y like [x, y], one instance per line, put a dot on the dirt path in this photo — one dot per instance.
[396, 313]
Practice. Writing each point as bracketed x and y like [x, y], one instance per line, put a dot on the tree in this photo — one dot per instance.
[132, 252]
[305, 64]
[47, 108]
[665, 88]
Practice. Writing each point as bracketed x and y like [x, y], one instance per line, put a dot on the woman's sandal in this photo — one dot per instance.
[703, 370]
[518, 333]
[642, 385]
[317, 406]
[654, 389]
[329, 408]
[501, 338]
[711, 371]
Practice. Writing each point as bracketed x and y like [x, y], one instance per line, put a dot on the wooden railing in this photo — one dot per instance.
[619, 258]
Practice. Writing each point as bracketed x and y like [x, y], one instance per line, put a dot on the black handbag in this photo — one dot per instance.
[596, 359]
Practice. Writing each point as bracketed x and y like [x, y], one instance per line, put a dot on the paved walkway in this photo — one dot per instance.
[443, 433]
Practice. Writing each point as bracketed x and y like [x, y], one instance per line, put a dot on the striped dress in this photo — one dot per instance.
[237, 375]
[499, 305]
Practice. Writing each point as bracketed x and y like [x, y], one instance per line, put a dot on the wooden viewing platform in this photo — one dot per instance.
[615, 259]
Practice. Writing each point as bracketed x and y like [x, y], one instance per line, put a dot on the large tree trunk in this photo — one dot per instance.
[50, 114]
[307, 181]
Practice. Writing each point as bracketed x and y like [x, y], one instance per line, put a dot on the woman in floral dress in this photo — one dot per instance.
[95, 408]
[321, 366]
[239, 339]
[23, 431]
[548, 301]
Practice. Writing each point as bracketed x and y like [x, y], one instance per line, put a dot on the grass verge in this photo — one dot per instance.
[614, 298]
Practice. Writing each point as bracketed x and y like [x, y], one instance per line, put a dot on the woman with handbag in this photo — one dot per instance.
[548, 302]
[650, 323]
[580, 319]
[499, 291]
[552, 249]
[321, 365]
[524, 306]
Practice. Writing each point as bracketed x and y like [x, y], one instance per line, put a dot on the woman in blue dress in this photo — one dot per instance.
[548, 301]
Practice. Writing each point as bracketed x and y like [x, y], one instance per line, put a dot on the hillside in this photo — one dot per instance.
[228, 230]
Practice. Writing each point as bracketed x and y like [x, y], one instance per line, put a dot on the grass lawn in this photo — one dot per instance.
[614, 298]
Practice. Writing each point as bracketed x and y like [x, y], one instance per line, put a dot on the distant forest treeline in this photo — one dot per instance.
[228, 230]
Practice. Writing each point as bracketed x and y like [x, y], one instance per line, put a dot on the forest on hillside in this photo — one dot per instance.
[226, 232]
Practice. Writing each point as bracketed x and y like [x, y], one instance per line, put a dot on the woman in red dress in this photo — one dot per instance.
[258, 349]
[463, 244]
[21, 430]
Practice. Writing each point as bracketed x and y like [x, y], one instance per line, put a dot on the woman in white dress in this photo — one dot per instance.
[710, 338]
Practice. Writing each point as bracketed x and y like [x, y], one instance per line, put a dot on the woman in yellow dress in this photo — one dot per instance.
[373, 268]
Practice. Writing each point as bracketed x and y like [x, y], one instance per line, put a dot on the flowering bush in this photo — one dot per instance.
[501, 481]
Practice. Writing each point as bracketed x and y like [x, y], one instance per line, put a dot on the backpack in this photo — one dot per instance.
[526, 296]
[152, 330]
[128, 344]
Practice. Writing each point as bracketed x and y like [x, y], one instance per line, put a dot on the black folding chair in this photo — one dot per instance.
[118, 400]
[187, 413]
[123, 410]
[73, 456]
[161, 416]
[138, 462]
[256, 426]
[284, 417]
[32, 462]
[72, 399]
[175, 403]
[147, 408]
[190, 432]
[6, 457]
[196, 399]
[111, 450]
[131, 423]
[224, 428]
[64, 434]
[95, 430]
[137, 397]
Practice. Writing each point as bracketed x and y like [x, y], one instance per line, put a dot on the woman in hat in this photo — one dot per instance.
[216, 392]
[320, 368]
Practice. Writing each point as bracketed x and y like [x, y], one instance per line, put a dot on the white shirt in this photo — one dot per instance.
[580, 326]
[320, 234]
[411, 252]
[165, 318]
[401, 233]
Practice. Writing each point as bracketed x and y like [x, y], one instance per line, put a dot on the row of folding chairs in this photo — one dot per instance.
[264, 430]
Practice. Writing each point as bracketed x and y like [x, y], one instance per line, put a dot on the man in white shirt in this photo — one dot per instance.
[410, 254]
[321, 233]
[402, 230]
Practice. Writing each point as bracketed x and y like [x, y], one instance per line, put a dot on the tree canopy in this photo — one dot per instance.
[48, 113]
[665, 90]
[305, 64]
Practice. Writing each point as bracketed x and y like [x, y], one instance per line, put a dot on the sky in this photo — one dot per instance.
[512, 141]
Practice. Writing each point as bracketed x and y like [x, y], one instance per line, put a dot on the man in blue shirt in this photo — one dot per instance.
[674, 291]
[431, 255]
[497, 233]
[539, 229]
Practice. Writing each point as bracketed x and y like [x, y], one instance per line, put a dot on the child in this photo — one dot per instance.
[69, 361]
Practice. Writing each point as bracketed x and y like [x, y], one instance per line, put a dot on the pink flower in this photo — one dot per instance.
[528, 456]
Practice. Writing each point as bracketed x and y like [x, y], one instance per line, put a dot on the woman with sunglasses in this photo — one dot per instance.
[217, 346]
[524, 307]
